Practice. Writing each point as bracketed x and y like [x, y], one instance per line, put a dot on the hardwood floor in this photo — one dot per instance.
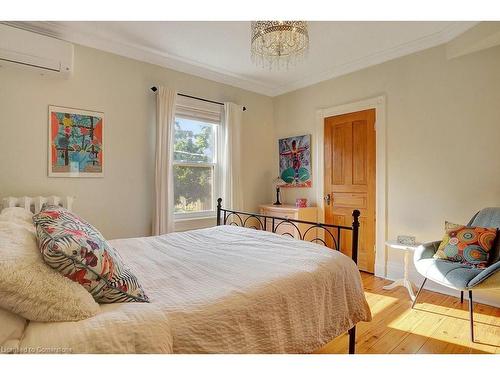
[438, 324]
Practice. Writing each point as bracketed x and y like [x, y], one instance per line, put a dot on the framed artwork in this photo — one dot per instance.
[295, 161]
[76, 144]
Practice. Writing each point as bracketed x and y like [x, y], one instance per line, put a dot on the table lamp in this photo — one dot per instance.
[278, 182]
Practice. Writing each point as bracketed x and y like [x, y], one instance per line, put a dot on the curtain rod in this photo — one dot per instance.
[154, 89]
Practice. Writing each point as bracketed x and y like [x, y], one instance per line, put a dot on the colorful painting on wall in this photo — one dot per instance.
[75, 142]
[295, 161]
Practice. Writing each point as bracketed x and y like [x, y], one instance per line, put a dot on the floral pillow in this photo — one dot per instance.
[468, 245]
[78, 251]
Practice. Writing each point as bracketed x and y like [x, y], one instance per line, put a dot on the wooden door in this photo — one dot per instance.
[349, 178]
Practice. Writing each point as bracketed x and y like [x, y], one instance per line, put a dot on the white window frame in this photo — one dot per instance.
[199, 109]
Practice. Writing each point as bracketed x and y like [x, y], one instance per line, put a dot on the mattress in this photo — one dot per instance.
[221, 290]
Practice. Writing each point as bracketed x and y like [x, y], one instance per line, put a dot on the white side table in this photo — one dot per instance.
[405, 281]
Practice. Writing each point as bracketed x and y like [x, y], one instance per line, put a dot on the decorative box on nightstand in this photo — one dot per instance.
[290, 212]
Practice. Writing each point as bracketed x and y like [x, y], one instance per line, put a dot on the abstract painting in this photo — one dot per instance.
[295, 161]
[75, 143]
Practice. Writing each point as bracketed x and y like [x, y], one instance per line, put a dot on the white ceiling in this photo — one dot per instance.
[220, 50]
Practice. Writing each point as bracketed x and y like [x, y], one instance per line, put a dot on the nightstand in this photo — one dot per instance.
[290, 212]
[405, 281]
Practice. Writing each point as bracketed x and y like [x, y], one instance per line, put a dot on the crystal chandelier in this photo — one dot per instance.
[278, 43]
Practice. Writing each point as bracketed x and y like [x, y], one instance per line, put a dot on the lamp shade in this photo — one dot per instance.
[278, 181]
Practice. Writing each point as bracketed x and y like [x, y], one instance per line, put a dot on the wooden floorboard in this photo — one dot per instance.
[439, 324]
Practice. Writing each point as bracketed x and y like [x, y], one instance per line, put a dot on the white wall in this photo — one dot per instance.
[443, 136]
[119, 204]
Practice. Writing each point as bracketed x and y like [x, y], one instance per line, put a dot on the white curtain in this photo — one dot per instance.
[232, 187]
[163, 210]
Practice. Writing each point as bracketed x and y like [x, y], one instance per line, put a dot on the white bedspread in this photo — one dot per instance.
[221, 290]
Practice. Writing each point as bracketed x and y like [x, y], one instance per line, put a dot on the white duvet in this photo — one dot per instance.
[220, 290]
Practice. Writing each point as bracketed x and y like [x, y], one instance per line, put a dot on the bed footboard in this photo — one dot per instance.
[329, 235]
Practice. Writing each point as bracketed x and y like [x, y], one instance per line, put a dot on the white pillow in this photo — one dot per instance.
[14, 213]
[11, 330]
[18, 215]
[31, 288]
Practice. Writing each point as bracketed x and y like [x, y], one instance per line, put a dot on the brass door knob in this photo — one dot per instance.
[328, 199]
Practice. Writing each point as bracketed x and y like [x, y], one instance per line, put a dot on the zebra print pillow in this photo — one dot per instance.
[79, 251]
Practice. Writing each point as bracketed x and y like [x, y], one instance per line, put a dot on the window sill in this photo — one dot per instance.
[190, 223]
[194, 218]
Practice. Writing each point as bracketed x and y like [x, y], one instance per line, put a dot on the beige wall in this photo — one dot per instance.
[120, 203]
[443, 136]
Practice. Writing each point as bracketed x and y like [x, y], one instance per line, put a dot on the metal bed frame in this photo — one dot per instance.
[263, 222]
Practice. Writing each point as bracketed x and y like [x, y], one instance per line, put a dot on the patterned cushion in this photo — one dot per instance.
[78, 251]
[467, 245]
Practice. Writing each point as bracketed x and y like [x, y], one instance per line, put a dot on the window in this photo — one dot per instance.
[196, 161]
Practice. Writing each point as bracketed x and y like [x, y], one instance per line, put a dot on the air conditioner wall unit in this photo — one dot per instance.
[25, 49]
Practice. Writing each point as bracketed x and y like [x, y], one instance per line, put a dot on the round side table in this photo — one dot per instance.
[405, 281]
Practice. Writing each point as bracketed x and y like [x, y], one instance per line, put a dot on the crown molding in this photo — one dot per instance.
[149, 55]
[124, 48]
[401, 50]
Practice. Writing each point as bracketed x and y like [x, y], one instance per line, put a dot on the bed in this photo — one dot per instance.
[242, 291]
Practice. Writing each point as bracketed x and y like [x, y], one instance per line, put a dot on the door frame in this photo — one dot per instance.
[379, 104]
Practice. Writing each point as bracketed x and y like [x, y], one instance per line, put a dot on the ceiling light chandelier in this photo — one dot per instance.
[278, 43]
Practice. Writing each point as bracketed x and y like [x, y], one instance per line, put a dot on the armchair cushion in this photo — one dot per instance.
[452, 274]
